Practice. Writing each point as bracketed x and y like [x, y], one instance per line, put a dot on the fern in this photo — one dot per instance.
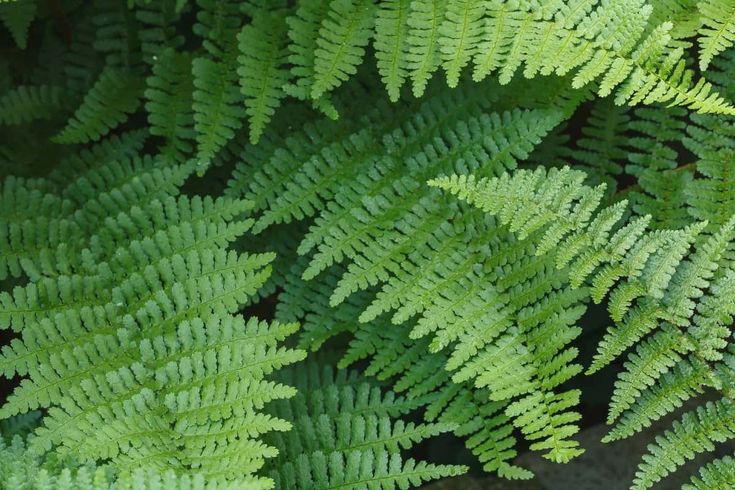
[422, 55]
[350, 220]
[193, 195]
[17, 17]
[341, 43]
[346, 436]
[216, 113]
[113, 97]
[169, 91]
[391, 41]
[261, 75]
[111, 349]
[665, 368]
[718, 30]
[21, 469]
[28, 103]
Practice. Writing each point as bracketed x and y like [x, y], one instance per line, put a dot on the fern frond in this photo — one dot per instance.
[415, 263]
[710, 197]
[140, 335]
[21, 469]
[653, 297]
[28, 103]
[718, 29]
[114, 96]
[343, 35]
[31, 221]
[423, 52]
[116, 147]
[217, 110]
[693, 434]
[218, 22]
[261, 71]
[168, 95]
[391, 44]
[719, 473]
[17, 17]
[459, 36]
[303, 30]
[158, 32]
[344, 436]
[680, 383]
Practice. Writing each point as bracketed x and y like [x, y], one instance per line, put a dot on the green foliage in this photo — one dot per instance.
[718, 29]
[22, 470]
[196, 196]
[390, 234]
[133, 328]
[17, 17]
[345, 435]
[652, 287]
[108, 103]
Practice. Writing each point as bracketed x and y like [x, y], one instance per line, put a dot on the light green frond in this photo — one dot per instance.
[217, 110]
[719, 473]
[718, 29]
[694, 433]
[459, 36]
[340, 47]
[423, 52]
[391, 44]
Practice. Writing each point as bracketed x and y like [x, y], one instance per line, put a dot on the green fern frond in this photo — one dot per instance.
[140, 333]
[158, 32]
[262, 76]
[114, 96]
[719, 473]
[718, 29]
[449, 245]
[303, 30]
[217, 110]
[28, 103]
[340, 47]
[711, 196]
[116, 35]
[423, 54]
[21, 469]
[168, 95]
[694, 433]
[459, 36]
[391, 44]
[685, 380]
[17, 17]
[344, 436]
[122, 147]
[652, 298]
[218, 22]
[451, 316]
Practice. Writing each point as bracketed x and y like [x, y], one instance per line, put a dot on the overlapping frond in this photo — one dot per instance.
[718, 29]
[668, 303]
[346, 433]
[138, 334]
[20, 468]
[442, 282]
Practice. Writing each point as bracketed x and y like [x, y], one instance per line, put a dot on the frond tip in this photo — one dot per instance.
[114, 96]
